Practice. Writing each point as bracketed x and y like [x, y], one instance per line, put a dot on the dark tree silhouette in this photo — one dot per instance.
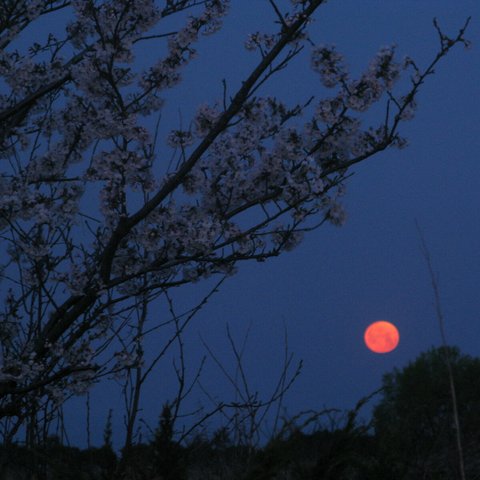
[414, 422]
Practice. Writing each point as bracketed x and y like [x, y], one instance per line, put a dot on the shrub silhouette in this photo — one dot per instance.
[414, 423]
[168, 455]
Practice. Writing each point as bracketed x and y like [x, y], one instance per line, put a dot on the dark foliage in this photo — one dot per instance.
[55, 461]
[413, 438]
[414, 421]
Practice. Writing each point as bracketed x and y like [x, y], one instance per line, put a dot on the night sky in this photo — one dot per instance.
[340, 279]
[326, 292]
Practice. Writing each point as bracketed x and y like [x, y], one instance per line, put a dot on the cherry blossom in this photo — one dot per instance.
[250, 174]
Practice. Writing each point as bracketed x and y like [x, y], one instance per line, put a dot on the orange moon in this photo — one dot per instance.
[381, 337]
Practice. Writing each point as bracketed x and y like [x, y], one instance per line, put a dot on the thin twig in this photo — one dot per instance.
[441, 324]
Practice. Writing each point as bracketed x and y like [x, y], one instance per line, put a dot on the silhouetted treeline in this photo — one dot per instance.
[322, 454]
[411, 436]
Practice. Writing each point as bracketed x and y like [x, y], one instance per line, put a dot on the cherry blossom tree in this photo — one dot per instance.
[250, 175]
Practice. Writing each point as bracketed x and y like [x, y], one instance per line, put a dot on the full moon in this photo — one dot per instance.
[381, 337]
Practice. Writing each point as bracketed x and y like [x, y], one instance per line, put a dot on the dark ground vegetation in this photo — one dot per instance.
[411, 436]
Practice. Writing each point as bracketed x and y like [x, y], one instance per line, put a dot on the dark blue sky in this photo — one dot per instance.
[339, 280]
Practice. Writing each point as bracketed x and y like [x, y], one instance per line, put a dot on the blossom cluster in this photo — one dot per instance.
[118, 22]
[329, 64]
[358, 95]
[165, 74]
[262, 41]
